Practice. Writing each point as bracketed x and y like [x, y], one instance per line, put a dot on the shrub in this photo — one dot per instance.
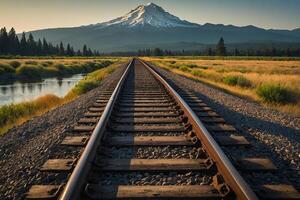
[29, 72]
[15, 64]
[172, 62]
[7, 68]
[85, 86]
[197, 73]
[237, 81]
[31, 62]
[47, 63]
[192, 65]
[184, 68]
[203, 67]
[272, 93]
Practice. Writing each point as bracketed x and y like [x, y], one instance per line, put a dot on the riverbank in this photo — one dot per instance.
[16, 114]
[31, 70]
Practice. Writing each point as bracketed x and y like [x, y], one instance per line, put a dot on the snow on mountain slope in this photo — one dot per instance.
[150, 14]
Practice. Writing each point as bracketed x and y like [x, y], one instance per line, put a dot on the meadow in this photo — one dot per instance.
[273, 83]
[16, 114]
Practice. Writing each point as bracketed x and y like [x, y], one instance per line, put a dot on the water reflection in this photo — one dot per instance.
[18, 92]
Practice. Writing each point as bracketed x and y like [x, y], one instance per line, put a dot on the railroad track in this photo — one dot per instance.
[145, 141]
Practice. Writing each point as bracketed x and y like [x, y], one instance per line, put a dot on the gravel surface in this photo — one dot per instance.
[158, 152]
[149, 134]
[274, 134]
[26, 147]
[138, 178]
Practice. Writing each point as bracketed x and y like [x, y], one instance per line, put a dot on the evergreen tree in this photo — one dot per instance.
[78, 53]
[3, 41]
[39, 47]
[220, 49]
[23, 45]
[84, 51]
[45, 47]
[31, 45]
[69, 53]
[13, 42]
[56, 50]
[61, 49]
[157, 52]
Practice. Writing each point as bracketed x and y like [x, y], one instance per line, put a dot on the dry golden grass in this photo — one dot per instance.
[284, 73]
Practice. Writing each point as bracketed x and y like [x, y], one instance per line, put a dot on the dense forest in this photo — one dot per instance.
[11, 44]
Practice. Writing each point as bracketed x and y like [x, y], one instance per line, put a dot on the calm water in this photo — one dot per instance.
[18, 92]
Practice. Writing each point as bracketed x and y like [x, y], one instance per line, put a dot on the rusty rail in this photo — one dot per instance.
[74, 186]
[228, 171]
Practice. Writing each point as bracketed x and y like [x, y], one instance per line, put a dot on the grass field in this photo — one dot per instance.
[273, 83]
[15, 114]
[36, 69]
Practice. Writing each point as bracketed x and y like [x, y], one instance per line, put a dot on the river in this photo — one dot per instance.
[18, 92]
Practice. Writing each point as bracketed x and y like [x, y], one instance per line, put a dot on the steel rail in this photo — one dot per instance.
[74, 186]
[228, 171]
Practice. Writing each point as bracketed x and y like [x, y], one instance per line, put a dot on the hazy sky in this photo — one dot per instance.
[27, 15]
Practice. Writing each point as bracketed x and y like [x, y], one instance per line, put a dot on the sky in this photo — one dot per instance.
[26, 15]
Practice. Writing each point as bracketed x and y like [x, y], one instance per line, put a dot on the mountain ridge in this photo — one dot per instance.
[151, 24]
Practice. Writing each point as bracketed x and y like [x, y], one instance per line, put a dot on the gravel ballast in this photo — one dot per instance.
[273, 134]
[26, 147]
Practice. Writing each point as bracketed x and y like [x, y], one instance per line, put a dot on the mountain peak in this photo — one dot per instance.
[149, 14]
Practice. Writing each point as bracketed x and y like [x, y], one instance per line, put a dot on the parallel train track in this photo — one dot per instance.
[145, 141]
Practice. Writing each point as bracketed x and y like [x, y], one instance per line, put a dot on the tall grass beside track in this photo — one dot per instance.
[274, 84]
[15, 114]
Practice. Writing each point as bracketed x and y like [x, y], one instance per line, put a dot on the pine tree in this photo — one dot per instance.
[61, 49]
[69, 50]
[84, 51]
[3, 41]
[13, 42]
[45, 47]
[220, 49]
[23, 45]
[39, 47]
[31, 45]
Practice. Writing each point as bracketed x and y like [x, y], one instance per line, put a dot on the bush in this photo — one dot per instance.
[31, 62]
[272, 93]
[172, 62]
[6, 70]
[203, 67]
[85, 86]
[237, 81]
[47, 63]
[192, 66]
[184, 68]
[29, 72]
[15, 64]
[197, 73]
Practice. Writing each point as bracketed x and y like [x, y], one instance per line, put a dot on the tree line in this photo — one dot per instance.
[10, 44]
[221, 50]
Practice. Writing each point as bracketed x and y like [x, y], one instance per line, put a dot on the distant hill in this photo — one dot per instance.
[149, 26]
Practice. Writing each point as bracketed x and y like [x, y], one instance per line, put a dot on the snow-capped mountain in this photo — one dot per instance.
[150, 26]
[150, 14]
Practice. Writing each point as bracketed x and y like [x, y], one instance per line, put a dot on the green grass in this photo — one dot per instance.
[273, 93]
[236, 80]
